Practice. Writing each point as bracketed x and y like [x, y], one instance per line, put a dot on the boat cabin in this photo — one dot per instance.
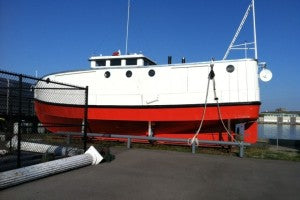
[120, 61]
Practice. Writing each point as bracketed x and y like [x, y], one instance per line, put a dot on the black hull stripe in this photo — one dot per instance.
[155, 106]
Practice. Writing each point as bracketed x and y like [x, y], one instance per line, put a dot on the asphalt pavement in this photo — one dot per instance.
[153, 174]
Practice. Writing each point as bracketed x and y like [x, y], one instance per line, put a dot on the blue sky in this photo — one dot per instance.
[56, 35]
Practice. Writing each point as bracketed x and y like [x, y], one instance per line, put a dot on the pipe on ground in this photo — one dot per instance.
[22, 175]
[44, 148]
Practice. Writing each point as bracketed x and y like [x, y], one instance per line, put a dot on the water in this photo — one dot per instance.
[274, 131]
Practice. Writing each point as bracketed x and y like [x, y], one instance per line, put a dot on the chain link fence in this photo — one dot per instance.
[32, 110]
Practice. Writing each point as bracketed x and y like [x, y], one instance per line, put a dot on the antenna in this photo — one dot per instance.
[232, 46]
[128, 12]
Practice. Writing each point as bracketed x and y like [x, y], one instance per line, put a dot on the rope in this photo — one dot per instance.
[211, 76]
[219, 112]
[195, 139]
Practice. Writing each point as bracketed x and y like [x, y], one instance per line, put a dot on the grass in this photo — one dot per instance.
[258, 151]
[266, 152]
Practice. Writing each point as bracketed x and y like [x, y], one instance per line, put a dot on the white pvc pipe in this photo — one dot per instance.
[44, 148]
[22, 175]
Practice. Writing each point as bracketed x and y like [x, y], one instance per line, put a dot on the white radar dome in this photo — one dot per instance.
[265, 75]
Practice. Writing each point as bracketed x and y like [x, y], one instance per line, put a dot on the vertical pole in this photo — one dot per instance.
[254, 30]
[194, 148]
[7, 97]
[127, 27]
[229, 129]
[19, 122]
[277, 140]
[229, 137]
[241, 149]
[68, 139]
[150, 132]
[128, 143]
[85, 118]
[246, 49]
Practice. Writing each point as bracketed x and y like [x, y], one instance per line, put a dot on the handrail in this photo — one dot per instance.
[130, 137]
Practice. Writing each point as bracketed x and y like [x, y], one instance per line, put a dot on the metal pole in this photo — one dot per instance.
[242, 149]
[150, 132]
[229, 136]
[238, 31]
[19, 122]
[128, 143]
[246, 55]
[151, 138]
[277, 140]
[127, 27]
[85, 118]
[194, 148]
[68, 139]
[254, 31]
[7, 97]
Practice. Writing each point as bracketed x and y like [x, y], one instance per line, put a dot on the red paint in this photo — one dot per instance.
[175, 122]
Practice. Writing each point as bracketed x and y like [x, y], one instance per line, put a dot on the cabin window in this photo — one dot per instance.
[129, 73]
[230, 68]
[100, 62]
[115, 62]
[148, 62]
[131, 61]
[151, 73]
[107, 74]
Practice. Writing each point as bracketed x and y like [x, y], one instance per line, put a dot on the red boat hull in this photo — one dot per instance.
[167, 121]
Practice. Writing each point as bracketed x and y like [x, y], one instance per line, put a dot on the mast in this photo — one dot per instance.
[127, 27]
[254, 31]
[232, 46]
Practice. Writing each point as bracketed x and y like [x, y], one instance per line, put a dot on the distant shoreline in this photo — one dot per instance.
[278, 123]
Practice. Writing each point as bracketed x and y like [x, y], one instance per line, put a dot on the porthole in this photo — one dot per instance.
[48, 80]
[107, 74]
[129, 73]
[230, 68]
[151, 73]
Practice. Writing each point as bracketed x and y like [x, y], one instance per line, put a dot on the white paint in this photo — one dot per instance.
[265, 75]
[270, 119]
[286, 119]
[172, 84]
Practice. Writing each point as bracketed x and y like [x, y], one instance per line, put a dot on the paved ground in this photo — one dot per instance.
[151, 174]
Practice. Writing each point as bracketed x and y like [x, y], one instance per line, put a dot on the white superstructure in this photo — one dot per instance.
[135, 80]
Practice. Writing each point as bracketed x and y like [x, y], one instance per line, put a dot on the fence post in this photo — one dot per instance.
[85, 120]
[19, 122]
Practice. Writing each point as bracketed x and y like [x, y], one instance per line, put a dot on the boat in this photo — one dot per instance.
[130, 94]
